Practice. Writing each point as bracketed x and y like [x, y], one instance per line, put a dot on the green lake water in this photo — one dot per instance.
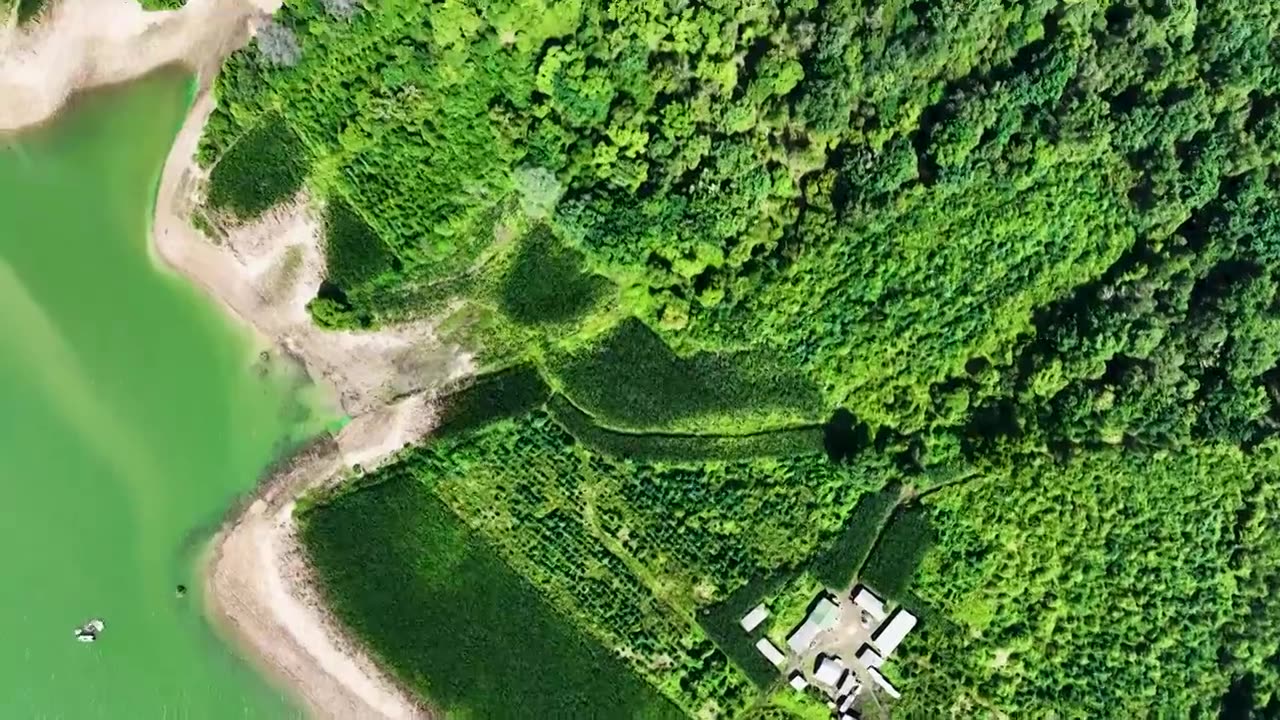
[132, 415]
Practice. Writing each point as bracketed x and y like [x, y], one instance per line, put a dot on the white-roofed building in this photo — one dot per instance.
[849, 686]
[883, 682]
[867, 600]
[829, 671]
[797, 681]
[824, 616]
[893, 631]
[752, 619]
[869, 657]
[771, 652]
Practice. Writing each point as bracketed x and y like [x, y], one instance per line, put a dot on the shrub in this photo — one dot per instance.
[331, 310]
[278, 44]
[341, 9]
[265, 166]
[29, 9]
[539, 191]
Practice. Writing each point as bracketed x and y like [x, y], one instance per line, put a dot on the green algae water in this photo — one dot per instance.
[131, 416]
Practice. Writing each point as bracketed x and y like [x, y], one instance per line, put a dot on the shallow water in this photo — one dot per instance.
[131, 416]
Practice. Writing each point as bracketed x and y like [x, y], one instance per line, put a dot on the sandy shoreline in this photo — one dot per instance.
[258, 584]
[260, 590]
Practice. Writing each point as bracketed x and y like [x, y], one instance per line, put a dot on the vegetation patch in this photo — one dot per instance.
[436, 604]
[838, 566]
[891, 567]
[265, 166]
[354, 254]
[27, 9]
[332, 309]
[656, 447]
[547, 509]
[1046, 557]
[547, 283]
[507, 394]
[631, 379]
[1010, 235]
[721, 621]
[628, 548]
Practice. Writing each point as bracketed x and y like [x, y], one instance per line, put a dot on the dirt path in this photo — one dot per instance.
[258, 584]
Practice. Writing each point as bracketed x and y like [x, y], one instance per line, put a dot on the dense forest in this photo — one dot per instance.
[1018, 258]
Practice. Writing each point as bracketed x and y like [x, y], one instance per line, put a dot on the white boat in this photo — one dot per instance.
[89, 631]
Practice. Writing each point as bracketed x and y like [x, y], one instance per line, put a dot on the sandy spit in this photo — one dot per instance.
[80, 44]
[259, 588]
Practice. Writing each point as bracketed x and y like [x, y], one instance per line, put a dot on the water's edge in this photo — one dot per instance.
[163, 248]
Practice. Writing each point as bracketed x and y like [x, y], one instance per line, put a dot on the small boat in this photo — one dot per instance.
[88, 632]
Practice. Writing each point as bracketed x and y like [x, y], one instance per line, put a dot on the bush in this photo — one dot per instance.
[265, 166]
[631, 379]
[161, 4]
[331, 310]
[457, 625]
[29, 9]
[546, 283]
[341, 9]
[892, 566]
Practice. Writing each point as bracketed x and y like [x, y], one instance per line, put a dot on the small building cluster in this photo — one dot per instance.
[829, 635]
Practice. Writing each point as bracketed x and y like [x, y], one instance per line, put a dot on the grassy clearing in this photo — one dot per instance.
[892, 565]
[265, 166]
[632, 380]
[837, 567]
[546, 283]
[459, 626]
[788, 704]
[683, 448]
